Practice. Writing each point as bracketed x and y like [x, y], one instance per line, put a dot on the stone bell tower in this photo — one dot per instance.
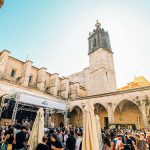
[100, 75]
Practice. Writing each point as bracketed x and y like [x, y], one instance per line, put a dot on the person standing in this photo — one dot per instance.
[141, 144]
[17, 128]
[1, 139]
[59, 135]
[55, 144]
[71, 141]
[119, 143]
[65, 138]
[8, 139]
[78, 141]
[20, 139]
[43, 146]
[107, 144]
[148, 139]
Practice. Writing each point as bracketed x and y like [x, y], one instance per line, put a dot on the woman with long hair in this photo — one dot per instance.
[107, 144]
[8, 139]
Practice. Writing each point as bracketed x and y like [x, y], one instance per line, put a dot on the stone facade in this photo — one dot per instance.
[25, 77]
[24, 74]
[95, 85]
[126, 106]
[64, 87]
[99, 77]
[3, 62]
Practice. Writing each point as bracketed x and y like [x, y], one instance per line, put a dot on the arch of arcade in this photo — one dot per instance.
[121, 107]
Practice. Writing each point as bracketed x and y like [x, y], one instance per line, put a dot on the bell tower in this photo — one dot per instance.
[100, 75]
[99, 38]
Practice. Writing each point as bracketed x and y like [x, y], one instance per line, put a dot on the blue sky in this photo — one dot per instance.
[54, 33]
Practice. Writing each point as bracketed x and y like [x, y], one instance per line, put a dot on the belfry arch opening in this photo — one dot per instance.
[76, 118]
[127, 113]
[101, 111]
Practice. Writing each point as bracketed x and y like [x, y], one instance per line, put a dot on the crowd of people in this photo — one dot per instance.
[16, 138]
[126, 139]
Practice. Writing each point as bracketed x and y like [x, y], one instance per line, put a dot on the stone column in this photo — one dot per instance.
[52, 119]
[110, 113]
[66, 120]
[54, 84]
[26, 73]
[41, 79]
[3, 61]
[49, 118]
[143, 111]
[64, 88]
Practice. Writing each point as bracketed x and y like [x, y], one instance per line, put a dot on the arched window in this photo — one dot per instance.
[13, 72]
[107, 75]
[89, 44]
[30, 79]
[94, 42]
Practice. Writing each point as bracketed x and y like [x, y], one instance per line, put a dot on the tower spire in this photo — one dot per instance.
[98, 24]
[99, 38]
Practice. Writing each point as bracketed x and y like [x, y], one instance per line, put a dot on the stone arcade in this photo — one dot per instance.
[95, 84]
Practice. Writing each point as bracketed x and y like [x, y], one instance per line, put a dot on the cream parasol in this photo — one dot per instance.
[90, 136]
[37, 132]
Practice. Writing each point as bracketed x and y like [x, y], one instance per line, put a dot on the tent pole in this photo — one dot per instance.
[15, 109]
[46, 117]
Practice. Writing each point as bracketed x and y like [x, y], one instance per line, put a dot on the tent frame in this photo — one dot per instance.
[16, 98]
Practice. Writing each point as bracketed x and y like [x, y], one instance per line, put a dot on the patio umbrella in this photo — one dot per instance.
[37, 132]
[90, 138]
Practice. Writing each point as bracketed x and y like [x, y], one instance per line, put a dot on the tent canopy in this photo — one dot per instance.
[42, 101]
[33, 98]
